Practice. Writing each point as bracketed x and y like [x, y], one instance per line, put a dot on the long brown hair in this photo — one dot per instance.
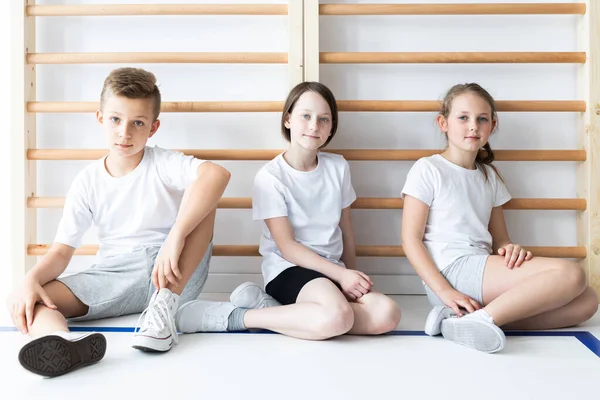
[485, 156]
[293, 97]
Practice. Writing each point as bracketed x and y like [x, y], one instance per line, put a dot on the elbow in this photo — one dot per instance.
[214, 172]
[286, 249]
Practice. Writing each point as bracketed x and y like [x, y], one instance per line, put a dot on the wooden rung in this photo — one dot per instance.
[351, 155]
[162, 58]
[434, 106]
[174, 106]
[452, 9]
[451, 58]
[155, 9]
[325, 58]
[344, 105]
[361, 203]
[361, 251]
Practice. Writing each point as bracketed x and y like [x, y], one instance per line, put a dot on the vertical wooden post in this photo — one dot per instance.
[311, 40]
[296, 49]
[23, 135]
[588, 172]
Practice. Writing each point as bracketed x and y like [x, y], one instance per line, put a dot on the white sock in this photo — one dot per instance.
[482, 314]
[69, 335]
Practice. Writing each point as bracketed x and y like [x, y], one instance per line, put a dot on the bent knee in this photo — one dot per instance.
[387, 318]
[590, 305]
[335, 320]
[572, 275]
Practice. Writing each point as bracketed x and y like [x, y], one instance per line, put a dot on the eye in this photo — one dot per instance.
[463, 118]
[324, 119]
[483, 119]
[305, 116]
[138, 123]
[115, 119]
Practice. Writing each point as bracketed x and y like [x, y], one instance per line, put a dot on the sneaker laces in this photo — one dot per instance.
[157, 313]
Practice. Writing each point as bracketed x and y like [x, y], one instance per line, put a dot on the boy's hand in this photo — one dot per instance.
[22, 302]
[166, 266]
[514, 255]
[355, 283]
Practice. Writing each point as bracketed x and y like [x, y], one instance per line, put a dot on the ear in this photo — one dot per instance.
[99, 117]
[494, 124]
[442, 123]
[155, 126]
[287, 121]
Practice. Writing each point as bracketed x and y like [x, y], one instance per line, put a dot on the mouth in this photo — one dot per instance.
[472, 138]
[123, 146]
[311, 137]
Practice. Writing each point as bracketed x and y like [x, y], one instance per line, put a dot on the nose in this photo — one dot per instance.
[125, 132]
[313, 124]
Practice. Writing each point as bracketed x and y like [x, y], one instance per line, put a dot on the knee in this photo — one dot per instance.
[572, 275]
[589, 305]
[387, 318]
[335, 320]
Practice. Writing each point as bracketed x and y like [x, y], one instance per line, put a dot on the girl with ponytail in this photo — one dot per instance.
[454, 235]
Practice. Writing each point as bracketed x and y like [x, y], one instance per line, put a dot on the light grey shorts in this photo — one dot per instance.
[465, 274]
[122, 284]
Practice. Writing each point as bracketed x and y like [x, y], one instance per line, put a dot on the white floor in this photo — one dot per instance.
[270, 366]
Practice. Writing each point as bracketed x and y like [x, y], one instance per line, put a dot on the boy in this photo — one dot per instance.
[155, 212]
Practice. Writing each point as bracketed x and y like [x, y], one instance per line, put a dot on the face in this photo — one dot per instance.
[309, 122]
[469, 124]
[127, 124]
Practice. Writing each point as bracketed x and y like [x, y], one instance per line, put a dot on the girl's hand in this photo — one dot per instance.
[457, 300]
[355, 283]
[514, 255]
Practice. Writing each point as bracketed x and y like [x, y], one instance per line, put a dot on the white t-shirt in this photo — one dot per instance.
[312, 201]
[460, 205]
[133, 211]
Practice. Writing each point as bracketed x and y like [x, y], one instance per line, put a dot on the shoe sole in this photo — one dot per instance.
[53, 355]
[239, 290]
[150, 345]
[470, 339]
[434, 318]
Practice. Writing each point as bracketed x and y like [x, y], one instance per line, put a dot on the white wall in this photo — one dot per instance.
[5, 117]
[357, 130]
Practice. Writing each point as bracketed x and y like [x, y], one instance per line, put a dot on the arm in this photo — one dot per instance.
[349, 252]
[200, 198]
[52, 264]
[514, 255]
[296, 253]
[22, 301]
[354, 283]
[497, 228]
[414, 219]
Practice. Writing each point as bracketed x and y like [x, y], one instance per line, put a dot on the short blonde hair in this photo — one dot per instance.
[132, 83]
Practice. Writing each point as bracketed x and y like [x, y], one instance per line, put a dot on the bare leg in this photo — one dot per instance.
[47, 320]
[321, 312]
[544, 288]
[374, 314]
[196, 245]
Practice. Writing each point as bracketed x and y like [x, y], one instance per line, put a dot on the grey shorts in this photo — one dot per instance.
[122, 284]
[465, 275]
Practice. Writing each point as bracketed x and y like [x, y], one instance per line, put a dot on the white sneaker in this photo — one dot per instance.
[476, 330]
[250, 295]
[433, 325]
[204, 316]
[62, 352]
[157, 331]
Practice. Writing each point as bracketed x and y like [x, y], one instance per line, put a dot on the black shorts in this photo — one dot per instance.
[287, 285]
